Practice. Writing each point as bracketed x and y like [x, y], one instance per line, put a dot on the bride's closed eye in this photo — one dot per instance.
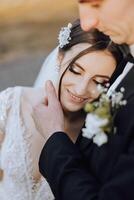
[74, 69]
[101, 82]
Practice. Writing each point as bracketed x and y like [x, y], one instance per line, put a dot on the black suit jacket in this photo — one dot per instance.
[84, 171]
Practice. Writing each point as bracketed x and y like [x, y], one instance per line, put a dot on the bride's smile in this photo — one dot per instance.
[76, 98]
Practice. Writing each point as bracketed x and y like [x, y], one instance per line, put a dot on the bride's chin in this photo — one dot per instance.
[71, 109]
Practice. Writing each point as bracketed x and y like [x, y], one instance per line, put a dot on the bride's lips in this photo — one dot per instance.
[75, 98]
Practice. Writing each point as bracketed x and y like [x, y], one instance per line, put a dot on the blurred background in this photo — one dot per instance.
[28, 32]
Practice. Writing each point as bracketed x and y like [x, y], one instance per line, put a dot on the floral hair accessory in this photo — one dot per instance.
[64, 35]
[101, 114]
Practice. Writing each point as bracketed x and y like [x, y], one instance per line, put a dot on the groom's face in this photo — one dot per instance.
[112, 17]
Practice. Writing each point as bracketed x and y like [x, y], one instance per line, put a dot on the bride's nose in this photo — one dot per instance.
[82, 88]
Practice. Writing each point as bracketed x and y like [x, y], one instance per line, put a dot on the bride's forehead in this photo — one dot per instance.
[74, 51]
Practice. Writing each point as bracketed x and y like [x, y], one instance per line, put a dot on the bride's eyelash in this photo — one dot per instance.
[97, 82]
[101, 83]
[73, 71]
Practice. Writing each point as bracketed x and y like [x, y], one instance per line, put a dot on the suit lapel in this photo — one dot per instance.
[128, 84]
[119, 79]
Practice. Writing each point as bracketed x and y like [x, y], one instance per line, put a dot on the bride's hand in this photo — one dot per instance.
[48, 116]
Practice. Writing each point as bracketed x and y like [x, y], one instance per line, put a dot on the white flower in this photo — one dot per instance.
[92, 120]
[104, 98]
[93, 127]
[107, 85]
[100, 139]
[100, 88]
[88, 134]
[116, 98]
[124, 102]
[122, 89]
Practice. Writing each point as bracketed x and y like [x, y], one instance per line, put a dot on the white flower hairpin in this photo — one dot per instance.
[64, 35]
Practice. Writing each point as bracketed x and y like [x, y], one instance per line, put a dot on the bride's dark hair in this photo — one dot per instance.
[98, 42]
[97, 39]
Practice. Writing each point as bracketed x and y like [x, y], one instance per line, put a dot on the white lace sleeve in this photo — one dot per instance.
[5, 103]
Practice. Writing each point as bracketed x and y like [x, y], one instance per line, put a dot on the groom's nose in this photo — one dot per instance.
[88, 17]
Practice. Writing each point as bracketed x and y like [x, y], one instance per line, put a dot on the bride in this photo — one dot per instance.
[80, 62]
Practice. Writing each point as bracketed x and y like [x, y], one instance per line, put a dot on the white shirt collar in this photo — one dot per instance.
[120, 78]
[132, 49]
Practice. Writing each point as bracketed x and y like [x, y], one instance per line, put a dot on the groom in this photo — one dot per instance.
[84, 171]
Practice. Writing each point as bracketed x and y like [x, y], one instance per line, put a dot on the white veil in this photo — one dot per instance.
[49, 70]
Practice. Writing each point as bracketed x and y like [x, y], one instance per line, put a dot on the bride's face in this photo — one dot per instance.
[79, 83]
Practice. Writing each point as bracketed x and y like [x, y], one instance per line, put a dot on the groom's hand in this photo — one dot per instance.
[48, 116]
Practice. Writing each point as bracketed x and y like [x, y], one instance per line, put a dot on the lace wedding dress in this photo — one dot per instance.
[17, 129]
[21, 137]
